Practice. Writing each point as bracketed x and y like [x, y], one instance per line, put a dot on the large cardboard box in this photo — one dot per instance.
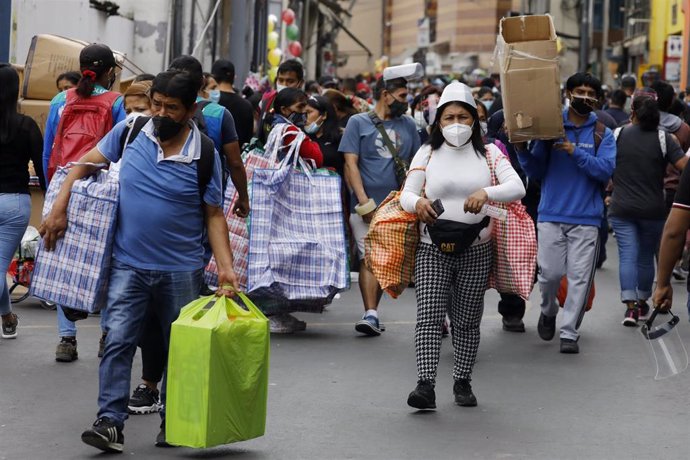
[20, 70]
[49, 56]
[36, 109]
[530, 78]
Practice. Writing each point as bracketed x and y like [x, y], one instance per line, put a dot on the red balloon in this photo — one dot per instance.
[288, 16]
[295, 48]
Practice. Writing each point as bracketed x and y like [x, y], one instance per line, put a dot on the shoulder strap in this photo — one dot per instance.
[662, 142]
[134, 128]
[199, 115]
[617, 132]
[599, 132]
[204, 167]
[384, 135]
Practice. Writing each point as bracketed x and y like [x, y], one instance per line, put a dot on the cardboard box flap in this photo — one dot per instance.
[527, 28]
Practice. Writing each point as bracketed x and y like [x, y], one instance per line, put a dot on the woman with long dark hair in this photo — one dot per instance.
[448, 183]
[289, 115]
[322, 127]
[93, 110]
[636, 211]
[20, 142]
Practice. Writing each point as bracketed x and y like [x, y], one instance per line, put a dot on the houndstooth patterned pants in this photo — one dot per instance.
[461, 279]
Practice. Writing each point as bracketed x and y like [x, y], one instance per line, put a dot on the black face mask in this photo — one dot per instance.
[398, 109]
[166, 128]
[580, 105]
[298, 119]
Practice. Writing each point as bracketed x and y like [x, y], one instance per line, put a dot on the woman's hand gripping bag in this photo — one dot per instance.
[217, 373]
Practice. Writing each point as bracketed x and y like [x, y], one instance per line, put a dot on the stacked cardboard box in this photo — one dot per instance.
[530, 78]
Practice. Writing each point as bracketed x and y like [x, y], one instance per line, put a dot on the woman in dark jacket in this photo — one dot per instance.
[20, 141]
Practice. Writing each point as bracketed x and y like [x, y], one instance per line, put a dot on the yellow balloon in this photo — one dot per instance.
[273, 38]
[274, 57]
[273, 73]
[271, 26]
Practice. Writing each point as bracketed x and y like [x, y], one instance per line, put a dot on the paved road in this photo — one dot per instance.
[335, 395]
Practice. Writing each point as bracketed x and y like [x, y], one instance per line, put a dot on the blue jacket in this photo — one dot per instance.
[572, 185]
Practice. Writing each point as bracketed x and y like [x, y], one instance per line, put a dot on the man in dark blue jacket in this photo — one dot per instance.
[573, 172]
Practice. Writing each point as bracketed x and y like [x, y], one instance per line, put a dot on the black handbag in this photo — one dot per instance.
[452, 237]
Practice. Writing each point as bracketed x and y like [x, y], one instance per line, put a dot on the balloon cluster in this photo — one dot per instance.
[294, 48]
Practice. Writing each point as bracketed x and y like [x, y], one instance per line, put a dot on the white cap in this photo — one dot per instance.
[409, 72]
[457, 92]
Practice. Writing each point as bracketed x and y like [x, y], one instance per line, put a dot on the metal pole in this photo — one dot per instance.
[605, 39]
[192, 29]
[584, 35]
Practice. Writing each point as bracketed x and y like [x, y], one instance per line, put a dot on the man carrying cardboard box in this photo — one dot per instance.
[573, 172]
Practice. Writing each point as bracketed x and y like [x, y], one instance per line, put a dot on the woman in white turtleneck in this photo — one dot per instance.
[452, 167]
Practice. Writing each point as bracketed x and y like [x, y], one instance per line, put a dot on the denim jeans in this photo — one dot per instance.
[131, 294]
[638, 240]
[15, 211]
[67, 328]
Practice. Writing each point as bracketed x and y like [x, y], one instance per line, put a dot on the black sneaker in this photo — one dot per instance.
[513, 324]
[423, 397]
[104, 435]
[73, 314]
[546, 327]
[631, 317]
[569, 347]
[66, 351]
[463, 393]
[160, 439]
[643, 310]
[9, 327]
[101, 345]
[144, 400]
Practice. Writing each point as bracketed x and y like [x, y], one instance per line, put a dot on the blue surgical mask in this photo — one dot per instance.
[214, 95]
[488, 104]
[312, 128]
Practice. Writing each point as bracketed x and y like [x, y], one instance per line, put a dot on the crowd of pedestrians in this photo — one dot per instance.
[176, 139]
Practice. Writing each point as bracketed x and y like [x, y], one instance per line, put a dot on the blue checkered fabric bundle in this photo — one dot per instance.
[297, 244]
[76, 273]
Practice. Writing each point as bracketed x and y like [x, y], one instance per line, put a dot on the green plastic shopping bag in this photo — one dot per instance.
[217, 373]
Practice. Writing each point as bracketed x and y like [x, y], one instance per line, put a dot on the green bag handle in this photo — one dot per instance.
[212, 301]
[250, 305]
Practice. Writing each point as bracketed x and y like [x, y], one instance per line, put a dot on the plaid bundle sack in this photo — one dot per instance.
[238, 227]
[297, 245]
[514, 245]
[76, 273]
[391, 244]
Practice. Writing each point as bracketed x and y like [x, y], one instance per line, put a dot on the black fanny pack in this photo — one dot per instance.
[455, 237]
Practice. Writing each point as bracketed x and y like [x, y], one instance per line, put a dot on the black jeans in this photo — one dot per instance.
[511, 306]
[153, 352]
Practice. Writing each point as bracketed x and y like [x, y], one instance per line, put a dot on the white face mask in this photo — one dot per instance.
[485, 127]
[419, 119]
[457, 134]
[279, 88]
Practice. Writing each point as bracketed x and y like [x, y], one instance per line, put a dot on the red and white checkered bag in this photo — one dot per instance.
[514, 245]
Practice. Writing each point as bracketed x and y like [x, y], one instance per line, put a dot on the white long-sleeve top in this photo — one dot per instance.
[452, 174]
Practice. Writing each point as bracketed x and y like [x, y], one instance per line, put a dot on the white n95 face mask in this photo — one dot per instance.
[457, 134]
[485, 127]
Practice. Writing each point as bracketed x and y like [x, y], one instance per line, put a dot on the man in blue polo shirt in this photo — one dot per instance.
[158, 255]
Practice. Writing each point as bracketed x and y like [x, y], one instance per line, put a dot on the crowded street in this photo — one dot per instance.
[334, 395]
[345, 229]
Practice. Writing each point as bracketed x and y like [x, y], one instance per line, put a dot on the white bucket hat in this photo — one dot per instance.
[457, 92]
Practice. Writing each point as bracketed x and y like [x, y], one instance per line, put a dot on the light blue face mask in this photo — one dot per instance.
[488, 104]
[312, 128]
[214, 95]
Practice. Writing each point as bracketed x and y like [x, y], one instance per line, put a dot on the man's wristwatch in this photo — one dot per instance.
[366, 208]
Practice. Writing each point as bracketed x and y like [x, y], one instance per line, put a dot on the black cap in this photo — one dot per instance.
[223, 70]
[328, 81]
[97, 56]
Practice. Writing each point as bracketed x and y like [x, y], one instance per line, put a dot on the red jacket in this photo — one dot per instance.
[309, 149]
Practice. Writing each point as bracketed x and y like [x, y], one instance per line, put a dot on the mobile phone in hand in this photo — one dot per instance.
[437, 206]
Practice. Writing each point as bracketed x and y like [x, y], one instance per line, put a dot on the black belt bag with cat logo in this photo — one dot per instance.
[452, 237]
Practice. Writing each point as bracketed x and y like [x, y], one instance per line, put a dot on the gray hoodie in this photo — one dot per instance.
[669, 122]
